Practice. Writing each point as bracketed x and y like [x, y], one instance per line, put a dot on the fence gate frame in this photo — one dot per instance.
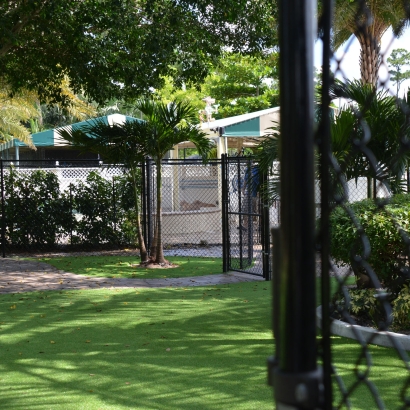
[242, 210]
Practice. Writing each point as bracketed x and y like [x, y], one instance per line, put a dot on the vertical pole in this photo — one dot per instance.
[408, 178]
[249, 210]
[114, 204]
[265, 225]
[144, 203]
[225, 232]
[324, 237]
[149, 207]
[296, 377]
[70, 187]
[3, 216]
[240, 183]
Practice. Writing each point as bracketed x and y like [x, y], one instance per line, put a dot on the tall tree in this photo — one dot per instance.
[121, 48]
[368, 20]
[399, 58]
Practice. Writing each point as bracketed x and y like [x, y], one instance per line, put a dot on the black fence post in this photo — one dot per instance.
[265, 225]
[323, 141]
[114, 205]
[149, 205]
[240, 227]
[3, 209]
[70, 187]
[225, 232]
[296, 377]
[144, 202]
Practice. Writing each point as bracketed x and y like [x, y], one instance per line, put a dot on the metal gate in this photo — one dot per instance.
[245, 218]
[311, 369]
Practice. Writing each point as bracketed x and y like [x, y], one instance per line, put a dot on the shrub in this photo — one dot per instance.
[384, 227]
[98, 213]
[36, 212]
[363, 303]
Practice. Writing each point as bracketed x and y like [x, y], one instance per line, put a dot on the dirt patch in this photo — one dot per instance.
[153, 265]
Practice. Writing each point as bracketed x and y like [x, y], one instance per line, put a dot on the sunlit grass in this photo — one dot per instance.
[183, 348]
[127, 266]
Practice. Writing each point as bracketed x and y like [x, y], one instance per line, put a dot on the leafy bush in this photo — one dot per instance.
[364, 304]
[36, 212]
[384, 227]
[97, 211]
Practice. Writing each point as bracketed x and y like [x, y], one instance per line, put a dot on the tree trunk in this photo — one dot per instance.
[141, 242]
[159, 258]
[153, 249]
[370, 58]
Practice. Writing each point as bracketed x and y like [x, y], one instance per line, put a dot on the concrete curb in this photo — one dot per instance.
[365, 335]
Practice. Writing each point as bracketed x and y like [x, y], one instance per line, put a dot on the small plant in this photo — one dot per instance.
[401, 309]
[203, 242]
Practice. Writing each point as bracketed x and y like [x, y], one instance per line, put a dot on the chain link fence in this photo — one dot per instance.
[362, 214]
[191, 207]
[369, 242]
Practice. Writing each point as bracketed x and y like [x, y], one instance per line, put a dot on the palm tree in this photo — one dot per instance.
[117, 144]
[368, 20]
[14, 111]
[164, 126]
[369, 138]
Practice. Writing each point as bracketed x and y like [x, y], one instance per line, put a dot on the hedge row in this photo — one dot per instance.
[37, 211]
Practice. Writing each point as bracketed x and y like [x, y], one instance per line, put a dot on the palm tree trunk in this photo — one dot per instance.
[369, 56]
[141, 242]
[153, 249]
[159, 258]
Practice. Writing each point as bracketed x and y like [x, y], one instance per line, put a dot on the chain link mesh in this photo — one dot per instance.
[369, 225]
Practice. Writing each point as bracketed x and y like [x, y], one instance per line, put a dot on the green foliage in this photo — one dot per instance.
[117, 48]
[240, 84]
[363, 303]
[94, 212]
[94, 200]
[383, 120]
[398, 59]
[36, 212]
[384, 228]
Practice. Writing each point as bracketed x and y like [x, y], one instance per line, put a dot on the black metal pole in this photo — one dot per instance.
[114, 204]
[70, 187]
[249, 210]
[265, 225]
[225, 233]
[3, 216]
[144, 203]
[149, 208]
[324, 141]
[297, 378]
[240, 182]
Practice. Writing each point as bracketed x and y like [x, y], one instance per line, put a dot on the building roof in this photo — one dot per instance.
[51, 138]
[254, 124]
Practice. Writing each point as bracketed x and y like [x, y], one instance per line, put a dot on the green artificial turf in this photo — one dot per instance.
[181, 348]
[127, 266]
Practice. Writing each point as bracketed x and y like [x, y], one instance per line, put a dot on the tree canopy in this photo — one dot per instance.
[239, 83]
[122, 48]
